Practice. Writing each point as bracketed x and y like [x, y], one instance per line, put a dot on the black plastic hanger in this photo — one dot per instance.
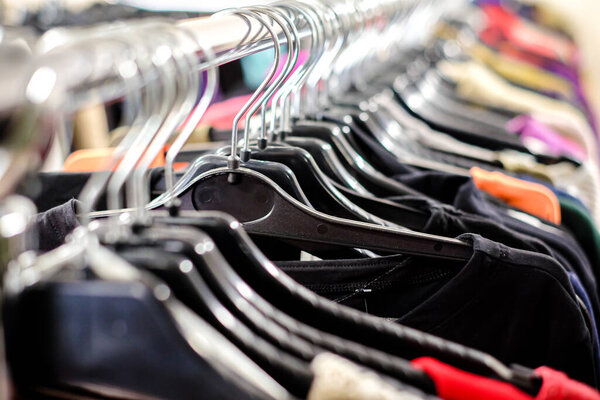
[114, 322]
[323, 196]
[269, 322]
[369, 120]
[265, 209]
[437, 93]
[279, 173]
[206, 198]
[396, 213]
[426, 134]
[337, 134]
[190, 287]
[327, 161]
[365, 165]
[282, 330]
[305, 306]
[467, 131]
[400, 214]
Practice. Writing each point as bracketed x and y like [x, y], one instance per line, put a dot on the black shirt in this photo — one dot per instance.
[516, 305]
[462, 193]
[55, 224]
[447, 220]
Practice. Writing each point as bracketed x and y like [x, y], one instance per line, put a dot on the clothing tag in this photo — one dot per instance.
[525, 218]
[304, 256]
[363, 293]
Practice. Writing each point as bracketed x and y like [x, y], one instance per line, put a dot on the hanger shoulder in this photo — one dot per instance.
[268, 211]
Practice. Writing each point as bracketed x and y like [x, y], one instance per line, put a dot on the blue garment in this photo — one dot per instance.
[580, 291]
[255, 67]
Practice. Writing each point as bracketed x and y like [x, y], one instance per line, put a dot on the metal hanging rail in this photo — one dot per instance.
[69, 76]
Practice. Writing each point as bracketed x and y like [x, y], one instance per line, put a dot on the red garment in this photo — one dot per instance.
[558, 386]
[454, 384]
[505, 24]
[494, 40]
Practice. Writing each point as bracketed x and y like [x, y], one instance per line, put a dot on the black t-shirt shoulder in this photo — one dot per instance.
[516, 305]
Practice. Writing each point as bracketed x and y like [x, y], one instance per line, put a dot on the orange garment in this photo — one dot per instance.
[530, 197]
[92, 160]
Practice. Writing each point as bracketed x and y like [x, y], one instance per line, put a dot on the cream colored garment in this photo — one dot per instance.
[336, 378]
[482, 86]
[525, 163]
[90, 128]
[521, 72]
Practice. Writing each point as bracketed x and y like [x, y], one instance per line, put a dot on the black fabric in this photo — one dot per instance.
[462, 193]
[516, 305]
[62, 334]
[463, 206]
[54, 225]
[56, 188]
[446, 220]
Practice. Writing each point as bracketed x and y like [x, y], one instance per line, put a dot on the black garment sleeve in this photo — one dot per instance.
[54, 225]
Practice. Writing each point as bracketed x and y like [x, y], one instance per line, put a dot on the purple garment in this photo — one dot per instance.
[494, 2]
[572, 76]
[528, 127]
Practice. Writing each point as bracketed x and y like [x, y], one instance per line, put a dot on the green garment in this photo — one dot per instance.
[581, 225]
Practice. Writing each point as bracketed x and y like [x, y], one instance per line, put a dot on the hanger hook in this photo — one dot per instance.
[212, 77]
[318, 49]
[347, 21]
[234, 161]
[292, 82]
[335, 52]
[186, 86]
[131, 70]
[312, 81]
[292, 39]
[161, 62]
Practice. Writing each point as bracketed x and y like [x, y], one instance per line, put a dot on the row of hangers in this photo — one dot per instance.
[187, 262]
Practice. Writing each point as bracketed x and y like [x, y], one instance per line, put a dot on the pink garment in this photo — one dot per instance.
[302, 57]
[220, 115]
[555, 144]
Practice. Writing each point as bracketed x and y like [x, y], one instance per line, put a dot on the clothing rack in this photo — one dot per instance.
[357, 238]
[59, 70]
